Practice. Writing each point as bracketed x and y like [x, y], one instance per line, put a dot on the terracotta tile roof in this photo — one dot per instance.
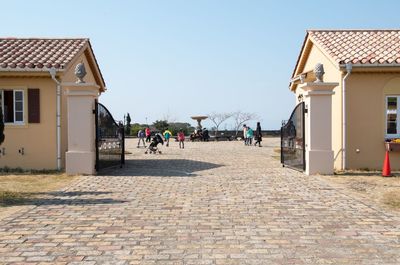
[18, 54]
[359, 46]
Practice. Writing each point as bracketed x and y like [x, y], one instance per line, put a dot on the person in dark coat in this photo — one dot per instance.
[258, 135]
[206, 135]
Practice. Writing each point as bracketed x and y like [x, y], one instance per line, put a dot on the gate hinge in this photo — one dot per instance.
[94, 111]
[306, 110]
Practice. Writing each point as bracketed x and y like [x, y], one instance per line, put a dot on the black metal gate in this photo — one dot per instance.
[110, 139]
[293, 140]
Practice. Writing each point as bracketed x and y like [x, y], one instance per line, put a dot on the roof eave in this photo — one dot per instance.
[97, 68]
[29, 70]
[87, 51]
[370, 65]
[301, 55]
[301, 78]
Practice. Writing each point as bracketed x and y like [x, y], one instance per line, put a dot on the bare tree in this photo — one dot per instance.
[169, 117]
[218, 118]
[240, 118]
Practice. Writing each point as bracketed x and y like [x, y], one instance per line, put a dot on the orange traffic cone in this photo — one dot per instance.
[386, 166]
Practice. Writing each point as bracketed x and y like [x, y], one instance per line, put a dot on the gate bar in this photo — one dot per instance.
[96, 123]
[304, 137]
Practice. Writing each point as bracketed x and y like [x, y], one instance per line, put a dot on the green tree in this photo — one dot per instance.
[174, 127]
[135, 128]
[1, 127]
[128, 125]
[161, 125]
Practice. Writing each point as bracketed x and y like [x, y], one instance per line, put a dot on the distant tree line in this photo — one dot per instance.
[217, 119]
[161, 126]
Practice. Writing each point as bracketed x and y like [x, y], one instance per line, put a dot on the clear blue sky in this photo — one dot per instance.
[180, 58]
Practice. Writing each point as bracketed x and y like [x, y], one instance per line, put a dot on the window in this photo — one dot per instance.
[12, 104]
[392, 116]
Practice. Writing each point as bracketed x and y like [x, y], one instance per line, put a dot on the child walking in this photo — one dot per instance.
[250, 135]
[141, 136]
[167, 134]
[245, 134]
[181, 139]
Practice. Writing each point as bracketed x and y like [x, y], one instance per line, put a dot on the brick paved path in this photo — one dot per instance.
[212, 203]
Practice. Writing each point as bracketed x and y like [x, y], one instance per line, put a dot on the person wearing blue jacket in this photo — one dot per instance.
[249, 135]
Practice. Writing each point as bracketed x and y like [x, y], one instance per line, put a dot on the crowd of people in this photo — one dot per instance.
[249, 135]
[167, 134]
[200, 134]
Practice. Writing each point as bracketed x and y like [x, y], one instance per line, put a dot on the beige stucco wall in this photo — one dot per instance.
[332, 74]
[366, 118]
[39, 139]
[69, 76]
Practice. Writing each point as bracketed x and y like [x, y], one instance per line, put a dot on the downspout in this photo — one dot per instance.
[52, 72]
[349, 67]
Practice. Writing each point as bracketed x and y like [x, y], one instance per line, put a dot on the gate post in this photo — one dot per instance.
[81, 154]
[318, 127]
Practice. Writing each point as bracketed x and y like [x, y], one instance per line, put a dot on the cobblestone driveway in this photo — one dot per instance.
[211, 203]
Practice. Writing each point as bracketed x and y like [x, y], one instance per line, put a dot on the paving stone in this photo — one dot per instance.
[210, 203]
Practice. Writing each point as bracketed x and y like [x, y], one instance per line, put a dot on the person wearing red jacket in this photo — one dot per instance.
[181, 139]
[148, 134]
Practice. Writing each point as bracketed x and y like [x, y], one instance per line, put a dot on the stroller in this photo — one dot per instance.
[157, 139]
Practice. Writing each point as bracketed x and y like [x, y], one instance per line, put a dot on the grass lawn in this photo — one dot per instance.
[19, 189]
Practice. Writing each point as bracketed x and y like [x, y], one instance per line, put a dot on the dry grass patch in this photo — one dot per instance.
[392, 199]
[371, 186]
[277, 154]
[20, 188]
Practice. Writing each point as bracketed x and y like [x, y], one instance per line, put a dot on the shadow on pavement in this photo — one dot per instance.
[55, 198]
[75, 193]
[160, 168]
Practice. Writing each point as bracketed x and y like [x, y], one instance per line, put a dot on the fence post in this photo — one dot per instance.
[81, 156]
[96, 122]
[318, 127]
[283, 165]
[123, 147]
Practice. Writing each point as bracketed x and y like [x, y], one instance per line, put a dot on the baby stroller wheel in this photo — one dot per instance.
[159, 152]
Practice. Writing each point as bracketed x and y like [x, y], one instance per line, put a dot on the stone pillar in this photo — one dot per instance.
[81, 154]
[318, 127]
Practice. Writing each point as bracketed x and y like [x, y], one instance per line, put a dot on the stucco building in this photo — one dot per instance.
[366, 103]
[32, 99]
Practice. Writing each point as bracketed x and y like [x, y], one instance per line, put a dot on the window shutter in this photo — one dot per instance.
[33, 105]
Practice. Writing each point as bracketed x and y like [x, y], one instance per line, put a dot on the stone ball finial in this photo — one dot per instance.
[80, 72]
[319, 72]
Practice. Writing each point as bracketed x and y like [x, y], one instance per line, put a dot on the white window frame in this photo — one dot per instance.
[14, 103]
[15, 108]
[397, 118]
